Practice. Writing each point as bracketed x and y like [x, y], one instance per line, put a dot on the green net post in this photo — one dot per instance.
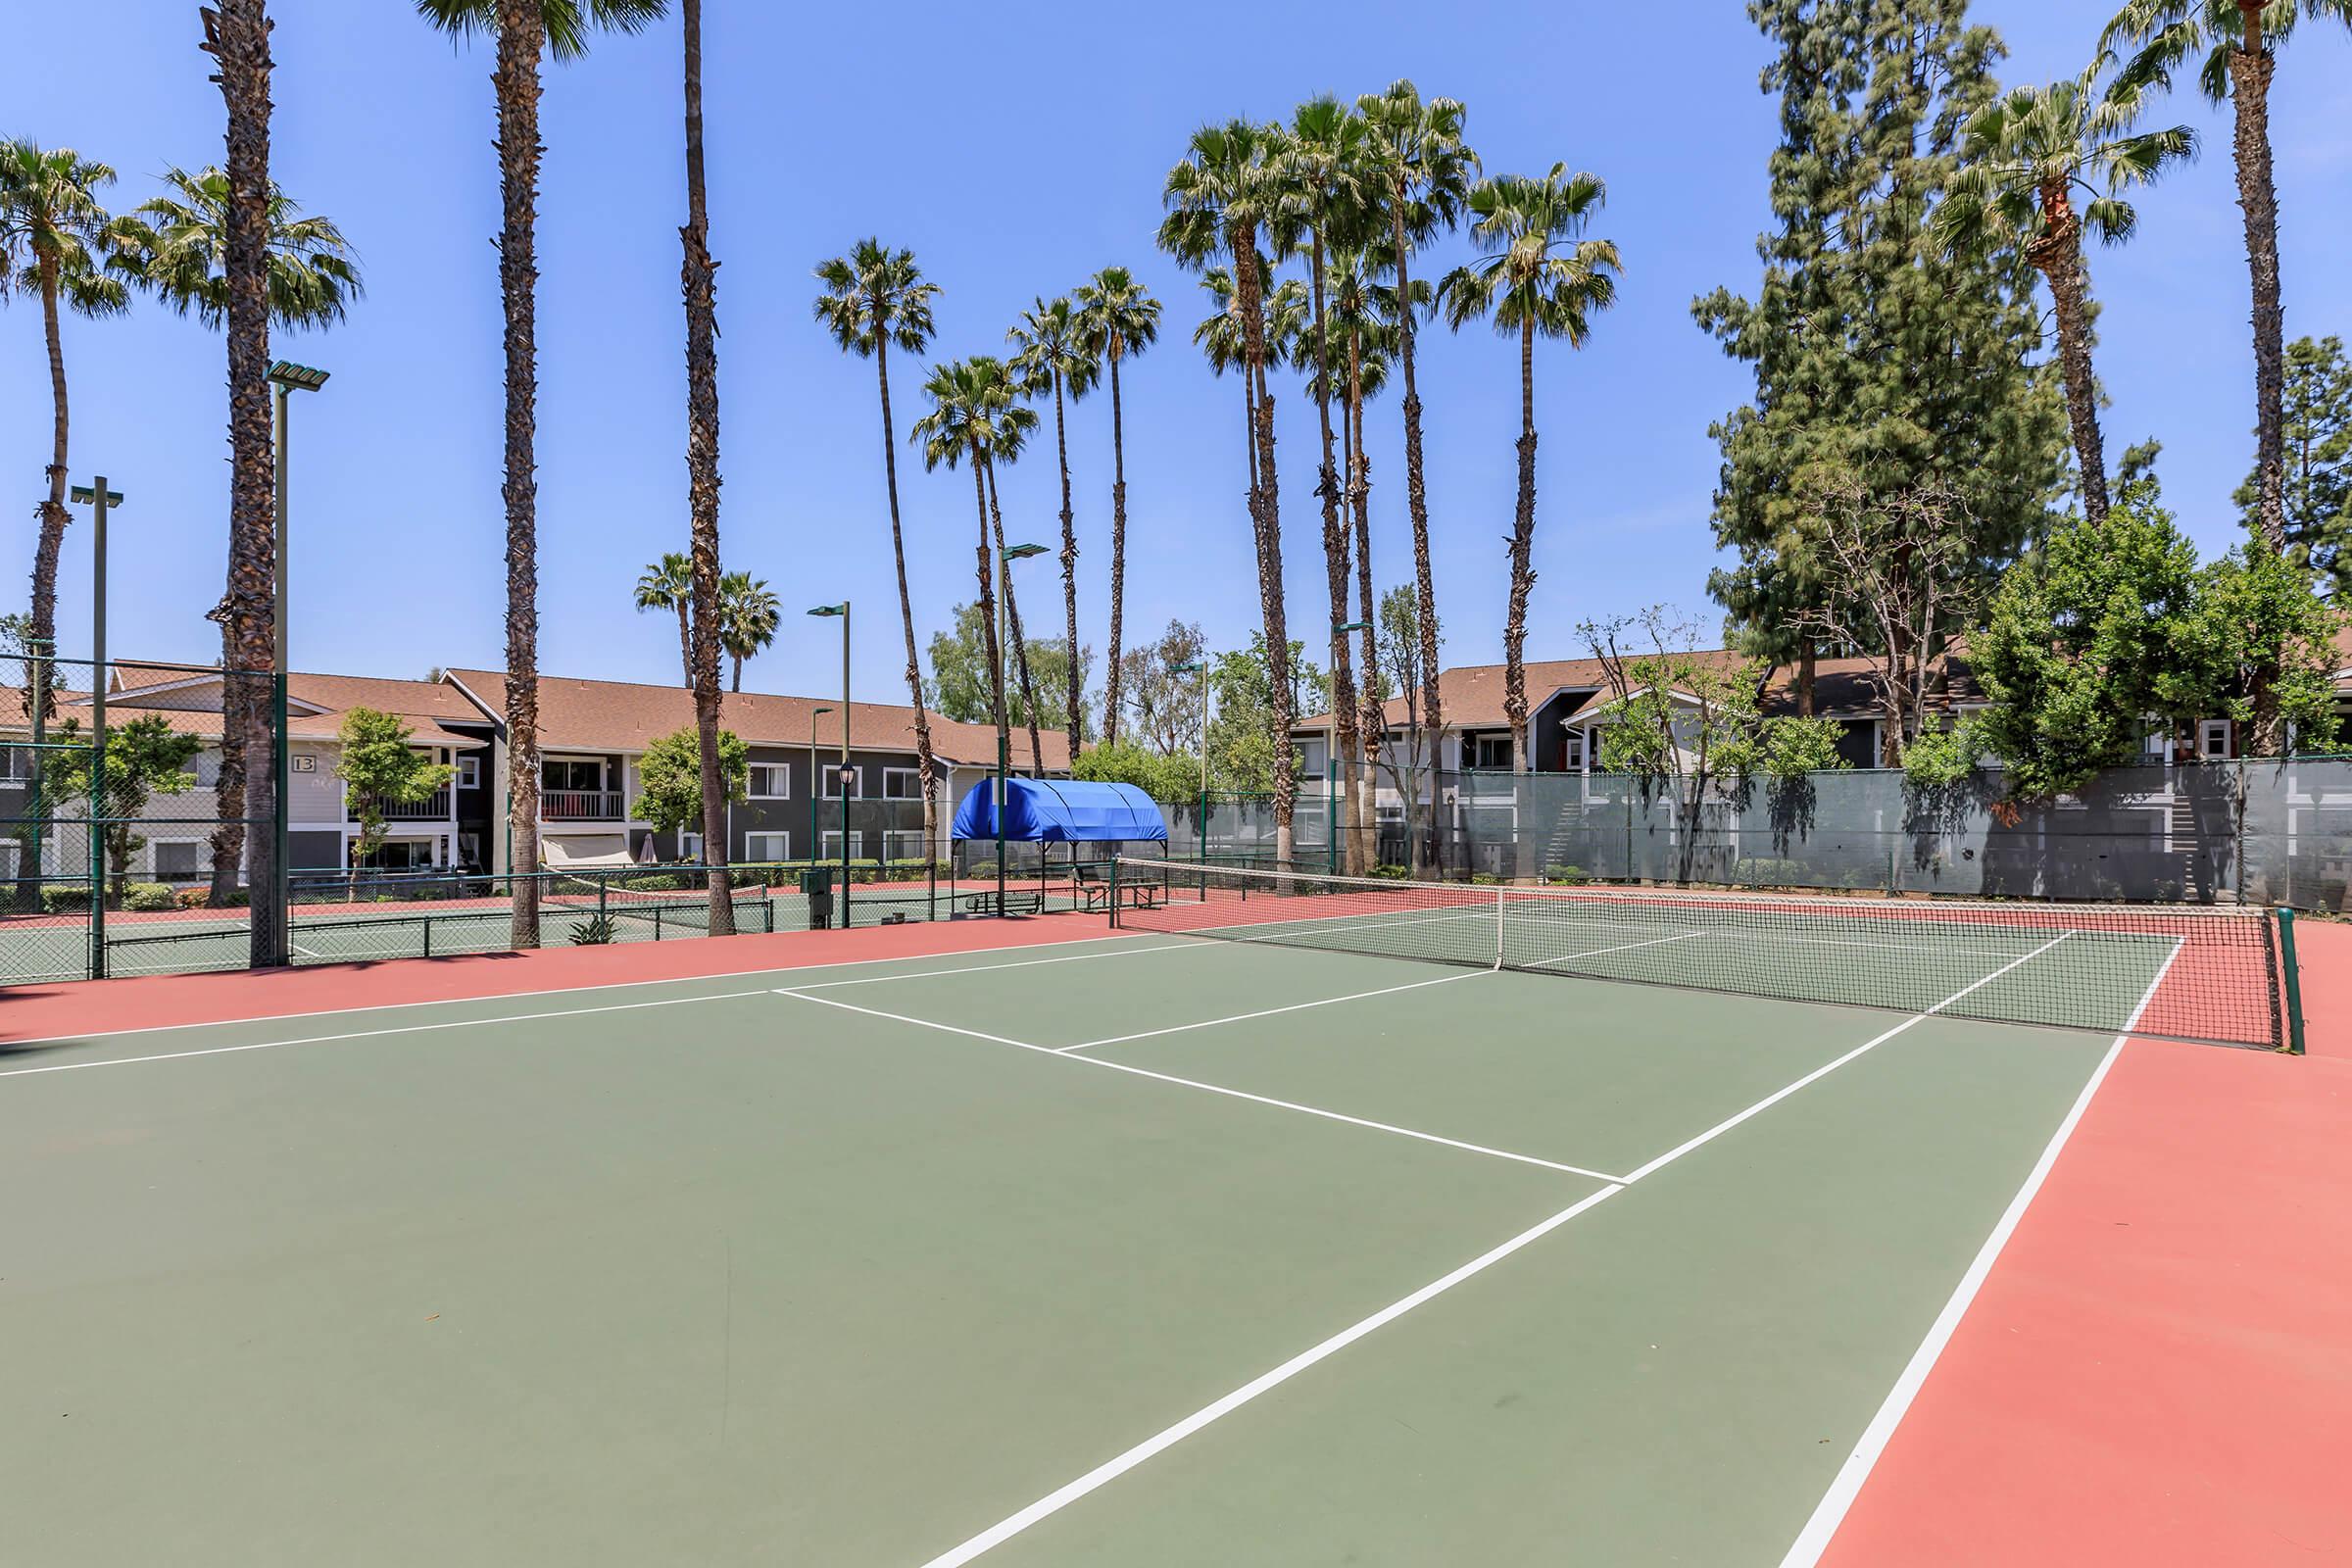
[2293, 980]
[604, 896]
[1114, 894]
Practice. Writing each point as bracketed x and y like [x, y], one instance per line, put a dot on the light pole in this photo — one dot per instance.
[98, 498]
[284, 377]
[1199, 668]
[1006, 556]
[1330, 762]
[843, 611]
[816, 781]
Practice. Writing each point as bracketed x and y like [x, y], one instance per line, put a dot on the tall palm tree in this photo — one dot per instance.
[1220, 336]
[876, 299]
[1012, 422]
[1120, 320]
[1220, 200]
[748, 617]
[52, 231]
[668, 586]
[1426, 170]
[1325, 178]
[2240, 38]
[699, 276]
[2026, 157]
[1361, 317]
[1536, 278]
[175, 247]
[524, 29]
[1051, 355]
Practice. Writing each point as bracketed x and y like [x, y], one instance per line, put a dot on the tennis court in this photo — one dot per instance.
[1142, 1248]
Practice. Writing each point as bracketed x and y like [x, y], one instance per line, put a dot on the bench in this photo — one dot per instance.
[1017, 901]
[1094, 884]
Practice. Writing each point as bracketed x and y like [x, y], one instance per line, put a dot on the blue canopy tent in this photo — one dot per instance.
[1068, 812]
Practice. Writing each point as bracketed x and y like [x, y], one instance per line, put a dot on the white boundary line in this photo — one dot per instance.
[1267, 1012]
[983, 968]
[1110, 1470]
[1622, 947]
[1831, 1511]
[524, 995]
[1220, 1089]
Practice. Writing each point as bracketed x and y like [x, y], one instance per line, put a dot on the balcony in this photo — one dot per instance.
[582, 805]
[434, 808]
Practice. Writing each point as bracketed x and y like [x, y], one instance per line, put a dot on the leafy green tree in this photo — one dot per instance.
[379, 768]
[876, 299]
[1051, 357]
[1410, 758]
[144, 758]
[1874, 355]
[1538, 278]
[2318, 483]
[961, 686]
[2043, 167]
[1162, 777]
[1165, 705]
[1250, 734]
[2264, 644]
[748, 618]
[524, 31]
[670, 781]
[667, 586]
[2239, 39]
[1117, 320]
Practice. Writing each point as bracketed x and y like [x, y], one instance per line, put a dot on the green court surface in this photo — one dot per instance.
[1141, 1251]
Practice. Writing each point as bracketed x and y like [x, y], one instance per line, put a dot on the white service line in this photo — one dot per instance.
[1268, 1012]
[1024, 963]
[1219, 1089]
[1111, 1469]
[1622, 947]
[1823, 1071]
[1830, 1513]
[369, 1034]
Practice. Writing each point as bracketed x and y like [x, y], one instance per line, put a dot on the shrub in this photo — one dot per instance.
[1485, 879]
[146, 898]
[594, 932]
[192, 898]
[65, 900]
[1570, 875]
[1395, 873]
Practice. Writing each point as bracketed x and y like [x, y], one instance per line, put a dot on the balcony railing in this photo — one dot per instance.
[581, 806]
[434, 808]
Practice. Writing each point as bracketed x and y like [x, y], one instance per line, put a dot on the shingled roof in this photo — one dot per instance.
[315, 703]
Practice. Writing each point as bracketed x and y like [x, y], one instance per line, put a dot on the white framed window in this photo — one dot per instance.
[469, 772]
[903, 843]
[2213, 737]
[761, 847]
[181, 860]
[1572, 753]
[1490, 753]
[690, 845]
[16, 764]
[7, 862]
[770, 781]
[831, 846]
[902, 784]
[832, 776]
[1313, 758]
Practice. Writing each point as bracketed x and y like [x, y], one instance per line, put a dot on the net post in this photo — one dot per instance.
[2293, 980]
[604, 894]
[1114, 892]
[1500, 893]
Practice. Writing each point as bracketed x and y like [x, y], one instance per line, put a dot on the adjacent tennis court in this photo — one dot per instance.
[1139, 1250]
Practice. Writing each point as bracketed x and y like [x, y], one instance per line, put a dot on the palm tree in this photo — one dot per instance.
[1118, 320]
[1536, 278]
[1051, 356]
[874, 299]
[1010, 422]
[52, 230]
[748, 617]
[1220, 336]
[699, 280]
[1426, 170]
[2240, 37]
[1362, 316]
[1325, 181]
[669, 584]
[524, 28]
[1218, 200]
[176, 247]
[2026, 157]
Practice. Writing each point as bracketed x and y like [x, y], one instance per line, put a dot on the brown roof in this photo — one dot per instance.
[612, 715]
[1473, 693]
[316, 703]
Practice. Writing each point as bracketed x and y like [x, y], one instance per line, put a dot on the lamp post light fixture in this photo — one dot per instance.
[1006, 556]
[815, 780]
[98, 498]
[284, 377]
[843, 611]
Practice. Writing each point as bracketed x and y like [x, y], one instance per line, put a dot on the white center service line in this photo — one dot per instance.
[1268, 1012]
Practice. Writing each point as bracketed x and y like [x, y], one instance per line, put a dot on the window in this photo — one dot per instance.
[1490, 753]
[1572, 753]
[902, 784]
[760, 847]
[903, 843]
[690, 845]
[403, 854]
[180, 861]
[572, 773]
[470, 773]
[856, 776]
[2213, 738]
[16, 764]
[7, 862]
[831, 850]
[1312, 756]
[770, 781]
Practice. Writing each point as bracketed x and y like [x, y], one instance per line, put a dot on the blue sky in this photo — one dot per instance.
[1017, 152]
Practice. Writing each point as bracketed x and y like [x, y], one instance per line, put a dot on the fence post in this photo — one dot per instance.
[2293, 979]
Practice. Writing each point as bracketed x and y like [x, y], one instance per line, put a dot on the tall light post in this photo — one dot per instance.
[1331, 761]
[815, 780]
[1006, 556]
[1199, 668]
[843, 611]
[98, 498]
[284, 377]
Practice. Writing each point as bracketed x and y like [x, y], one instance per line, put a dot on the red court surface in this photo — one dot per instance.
[2158, 1369]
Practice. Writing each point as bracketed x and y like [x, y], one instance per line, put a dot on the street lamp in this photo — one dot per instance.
[843, 611]
[284, 377]
[1331, 761]
[1199, 668]
[98, 498]
[1006, 556]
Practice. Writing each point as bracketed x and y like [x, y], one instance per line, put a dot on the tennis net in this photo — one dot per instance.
[2206, 975]
[684, 910]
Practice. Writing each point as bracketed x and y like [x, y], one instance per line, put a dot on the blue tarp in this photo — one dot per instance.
[1061, 812]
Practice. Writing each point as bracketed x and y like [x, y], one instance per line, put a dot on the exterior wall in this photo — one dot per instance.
[315, 850]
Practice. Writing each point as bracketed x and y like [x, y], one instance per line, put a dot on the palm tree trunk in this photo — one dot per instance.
[239, 42]
[1523, 575]
[1359, 488]
[1075, 695]
[521, 37]
[1012, 627]
[1267, 517]
[2250, 71]
[2058, 254]
[1118, 556]
[40, 704]
[698, 277]
[1335, 571]
[1416, 495]
[988, 612]
[736, 684]
[926, 770]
